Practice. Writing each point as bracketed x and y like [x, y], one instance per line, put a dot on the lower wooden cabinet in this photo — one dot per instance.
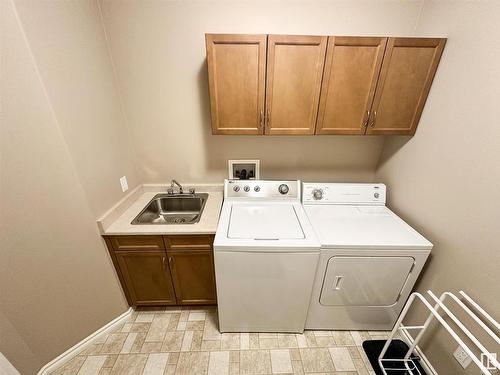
[193, 276]
[180, 272]
[146, 276]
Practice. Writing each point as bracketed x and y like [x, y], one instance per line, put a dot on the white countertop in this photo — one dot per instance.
[117, 221]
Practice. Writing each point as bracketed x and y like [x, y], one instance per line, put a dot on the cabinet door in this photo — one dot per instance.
[405, 80]
[236, 78]
[147, 277]
[351, 71]
[294, 72]
[194, 276]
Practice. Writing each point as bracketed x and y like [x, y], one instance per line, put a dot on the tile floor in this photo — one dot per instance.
[186, 341]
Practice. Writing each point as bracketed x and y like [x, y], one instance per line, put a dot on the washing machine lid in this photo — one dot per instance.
[264, 221]
[365, 226]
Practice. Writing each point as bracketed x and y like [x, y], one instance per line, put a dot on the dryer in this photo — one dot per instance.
[369, 261]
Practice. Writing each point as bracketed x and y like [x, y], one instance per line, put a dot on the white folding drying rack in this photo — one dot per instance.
[407, 364]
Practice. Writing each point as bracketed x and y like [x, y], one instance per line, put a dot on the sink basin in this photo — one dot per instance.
[172, 209]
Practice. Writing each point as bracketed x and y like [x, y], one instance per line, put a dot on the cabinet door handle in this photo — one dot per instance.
[372, 124]
[261, 118]
[170, 261]
[268, 120]
[163, 261]
[365, 123]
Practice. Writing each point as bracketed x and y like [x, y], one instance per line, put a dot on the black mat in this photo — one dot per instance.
[397, 349]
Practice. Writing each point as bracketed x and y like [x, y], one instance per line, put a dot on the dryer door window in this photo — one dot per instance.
[364, 281]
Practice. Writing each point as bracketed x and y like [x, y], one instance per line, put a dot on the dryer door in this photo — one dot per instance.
[365, 281]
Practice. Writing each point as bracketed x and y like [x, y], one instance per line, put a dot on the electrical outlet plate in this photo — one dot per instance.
[123, 183]
[489, 364]
[462, 357]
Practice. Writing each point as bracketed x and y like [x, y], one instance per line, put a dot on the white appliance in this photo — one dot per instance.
[265, 253]
[370, 258]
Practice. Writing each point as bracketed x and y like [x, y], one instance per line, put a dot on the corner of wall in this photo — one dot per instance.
[126, 123]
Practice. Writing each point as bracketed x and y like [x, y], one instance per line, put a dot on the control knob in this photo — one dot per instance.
[236, 188]
[283, 189]
[246, 188]
[317, 194]
[256, 188]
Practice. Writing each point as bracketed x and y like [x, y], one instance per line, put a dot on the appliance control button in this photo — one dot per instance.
[256, 188]
[246, 188]
[317, 194]
[376, 195]
[283, 189]
[236, 188]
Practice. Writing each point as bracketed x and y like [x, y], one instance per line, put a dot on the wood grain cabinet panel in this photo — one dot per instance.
[406, 76]
[236, 75]
[365, 85]
[294, 73]
[184, 274]
[350, 77]
[147, 277]
[120, 243]
[193, 275]
[190, 242]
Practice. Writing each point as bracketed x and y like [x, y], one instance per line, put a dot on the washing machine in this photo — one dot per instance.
[369, 260]
[266, 254]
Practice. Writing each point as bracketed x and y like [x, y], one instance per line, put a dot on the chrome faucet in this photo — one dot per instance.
[172, 184]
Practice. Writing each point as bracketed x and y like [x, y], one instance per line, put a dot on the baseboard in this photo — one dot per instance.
[6, 368]
[423, 359]
[89, 340]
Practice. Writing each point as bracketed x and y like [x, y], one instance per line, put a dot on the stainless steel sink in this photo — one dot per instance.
[173, 209]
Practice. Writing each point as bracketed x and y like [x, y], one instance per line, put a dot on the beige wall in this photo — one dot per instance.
[159, 51]
[57, 284]
[66, 139]
[446, 179]
[69, 46]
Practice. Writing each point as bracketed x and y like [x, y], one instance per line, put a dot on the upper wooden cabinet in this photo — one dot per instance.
[294, 72]
[349, 81]
[236, 77]
[318, 84]
[405, 80]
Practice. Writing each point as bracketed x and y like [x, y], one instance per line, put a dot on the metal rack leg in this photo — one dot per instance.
[394, 330]
[427, 322]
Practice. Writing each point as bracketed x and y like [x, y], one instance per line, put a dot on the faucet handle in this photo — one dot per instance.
[191, 190]
[170, 191]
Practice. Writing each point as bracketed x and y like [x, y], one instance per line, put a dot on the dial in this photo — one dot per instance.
[236, 188]
[246, 188]
[283, 189]
[256, 188]
[376, 195]
[317, 194]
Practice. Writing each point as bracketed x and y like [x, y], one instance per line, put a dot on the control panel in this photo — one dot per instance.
[343, 193]
[262, 189]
